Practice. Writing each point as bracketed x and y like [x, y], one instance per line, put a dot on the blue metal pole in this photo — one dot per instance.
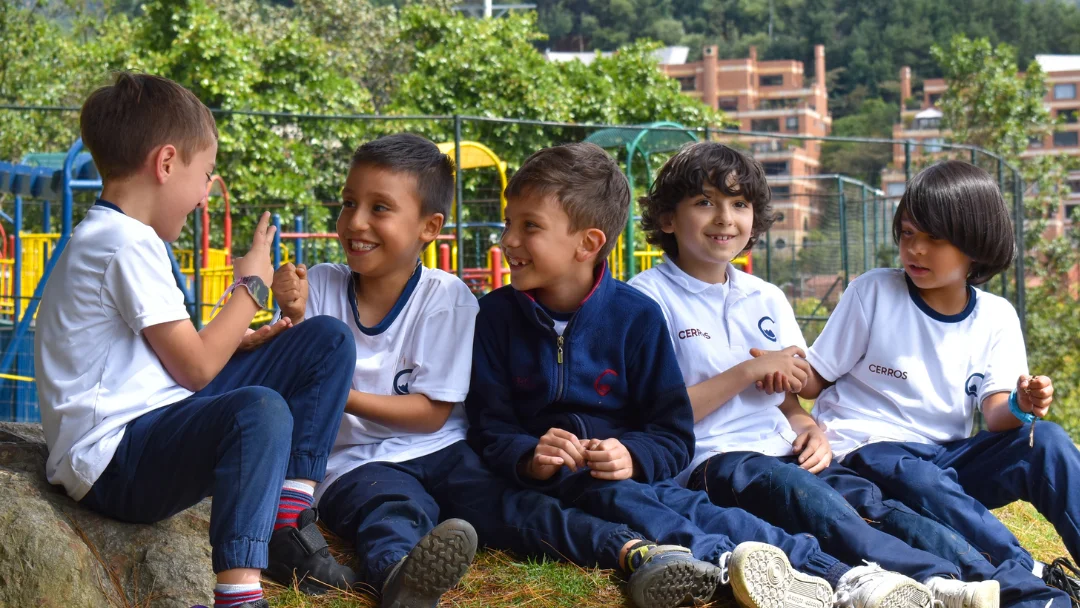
[298, 226]
[276, 219]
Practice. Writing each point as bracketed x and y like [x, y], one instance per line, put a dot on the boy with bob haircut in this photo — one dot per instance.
[402, 483]
[576, 392]
[143, 415]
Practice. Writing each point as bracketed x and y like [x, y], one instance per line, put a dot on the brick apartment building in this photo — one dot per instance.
[773, 97]
[923, 124]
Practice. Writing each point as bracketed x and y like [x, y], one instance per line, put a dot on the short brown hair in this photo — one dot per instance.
[123, 122]
[685, 174]
[586, 181]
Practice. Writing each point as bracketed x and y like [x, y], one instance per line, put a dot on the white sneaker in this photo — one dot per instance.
[958, 594]
[871, 587]
[762, 577]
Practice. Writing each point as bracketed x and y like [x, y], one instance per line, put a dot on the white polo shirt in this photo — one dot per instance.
[905, 372]
[95, 371]
[713, 327]
[424, 345]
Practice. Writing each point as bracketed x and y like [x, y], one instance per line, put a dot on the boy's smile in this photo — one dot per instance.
[711, 229]
[381, 227]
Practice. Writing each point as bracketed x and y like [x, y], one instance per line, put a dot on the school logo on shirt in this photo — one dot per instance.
[973, 385]
[401, 388]
[765, 325]
[603, 389]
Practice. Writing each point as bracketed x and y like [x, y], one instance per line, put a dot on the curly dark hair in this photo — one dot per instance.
[685, 174]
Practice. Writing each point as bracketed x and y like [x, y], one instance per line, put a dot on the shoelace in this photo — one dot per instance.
[1062, 574]
[722, 563]
[844, 595]
[953, 600]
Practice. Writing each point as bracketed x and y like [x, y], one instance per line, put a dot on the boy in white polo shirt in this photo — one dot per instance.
[910, 354]
[402, 483]
[143, 415]
[754, 450]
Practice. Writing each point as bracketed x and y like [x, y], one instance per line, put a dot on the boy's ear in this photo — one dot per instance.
[432, 227]
[164, 160]
[592, 241]
[667, 222]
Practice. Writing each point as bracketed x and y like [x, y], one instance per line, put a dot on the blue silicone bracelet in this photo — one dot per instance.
[1014, 407]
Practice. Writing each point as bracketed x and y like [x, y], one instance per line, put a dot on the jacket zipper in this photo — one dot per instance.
[559, 385]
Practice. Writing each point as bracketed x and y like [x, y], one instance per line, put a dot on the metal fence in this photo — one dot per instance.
[832, 223]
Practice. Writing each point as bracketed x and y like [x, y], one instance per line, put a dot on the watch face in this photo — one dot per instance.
[258, 289]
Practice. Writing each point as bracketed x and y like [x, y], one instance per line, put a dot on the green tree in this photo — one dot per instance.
[990, 104]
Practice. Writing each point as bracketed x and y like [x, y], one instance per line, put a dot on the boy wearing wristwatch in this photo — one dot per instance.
[143, 415]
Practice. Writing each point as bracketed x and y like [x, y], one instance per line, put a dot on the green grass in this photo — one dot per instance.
[497, 580]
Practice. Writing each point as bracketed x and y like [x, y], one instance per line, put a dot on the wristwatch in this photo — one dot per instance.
[255, 286]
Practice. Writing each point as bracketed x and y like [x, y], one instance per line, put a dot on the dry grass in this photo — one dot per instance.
[497, 580]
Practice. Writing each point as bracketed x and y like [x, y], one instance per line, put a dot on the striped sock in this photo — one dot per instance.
[295, 497]
[229, 596]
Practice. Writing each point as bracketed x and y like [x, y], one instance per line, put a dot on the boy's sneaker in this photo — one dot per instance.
[256, 604]
[762, 577]
[663, 576]
[1062, 574]
[432, 568]
[301, 554]
[871, 587]
[952, 593]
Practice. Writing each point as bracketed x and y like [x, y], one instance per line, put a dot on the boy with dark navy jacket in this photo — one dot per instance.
[576, 392]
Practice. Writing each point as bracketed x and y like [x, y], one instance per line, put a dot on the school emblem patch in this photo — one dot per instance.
[765, 325]
[401, 388]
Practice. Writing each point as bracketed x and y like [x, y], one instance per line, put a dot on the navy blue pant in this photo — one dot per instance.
[780, 492]
[271, 414]
[386, 508]
[955, 484]
[958, 481]
[672, 514]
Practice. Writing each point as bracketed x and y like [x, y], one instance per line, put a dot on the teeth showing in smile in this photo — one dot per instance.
[721, 238]
[515, 262]
[361, 245]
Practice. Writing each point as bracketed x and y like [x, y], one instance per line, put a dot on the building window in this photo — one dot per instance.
[781, 191]
[783, 103]
[1067, 116]
[1071, 213]
[770, 125]
[933, 99]
[1074, 186]
[895, 189]
[687, 83]
[772, 80]
[1065, 91]
[805, 226]
[729, 104]
[1065, 139]
[775, 168]
[932, 145]
[1035, 142]
[792, 123]
[927, 123]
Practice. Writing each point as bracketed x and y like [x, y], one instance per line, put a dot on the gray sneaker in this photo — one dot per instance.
[663, 576]
[432, 568]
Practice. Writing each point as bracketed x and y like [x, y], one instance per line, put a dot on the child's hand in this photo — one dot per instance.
[609, 459]
[779, 370]
[257, 261]
[255, 339]
[813, 449]
[1035, 393]
[291, 291]
[557, 448]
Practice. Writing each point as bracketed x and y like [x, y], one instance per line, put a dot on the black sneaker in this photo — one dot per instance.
[432, 568]
[663, 576]
[1062, 574]
[301, 554]
[256, 604]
